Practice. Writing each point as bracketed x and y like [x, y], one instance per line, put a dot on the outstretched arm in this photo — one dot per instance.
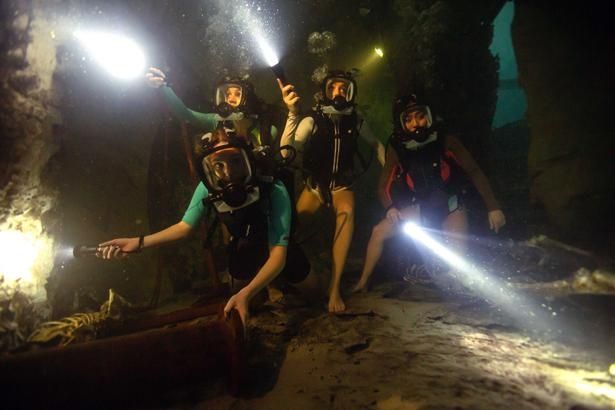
[121, 246]
[118, 247]
[204, 121]
[272, 268]
[278, 223]
[155, 78]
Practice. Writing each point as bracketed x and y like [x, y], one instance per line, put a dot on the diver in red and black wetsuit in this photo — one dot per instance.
[420, 181]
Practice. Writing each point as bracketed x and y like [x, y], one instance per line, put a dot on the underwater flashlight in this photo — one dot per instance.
[80, 251]
[379, 52]
[278, 71]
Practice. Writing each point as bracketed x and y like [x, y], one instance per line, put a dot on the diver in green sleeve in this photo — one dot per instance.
[238, 110]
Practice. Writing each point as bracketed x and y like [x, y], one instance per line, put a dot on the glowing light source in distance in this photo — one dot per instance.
[379, 52]
[117, 54]
[18, 252]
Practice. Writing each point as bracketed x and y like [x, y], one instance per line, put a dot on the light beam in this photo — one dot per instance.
[479, 281]
[117, 54]
[18, 252]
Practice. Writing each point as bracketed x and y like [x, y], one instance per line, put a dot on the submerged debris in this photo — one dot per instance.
[321, 43]
[583, 281]
[319, 73]
[19, 315]
[80, 326]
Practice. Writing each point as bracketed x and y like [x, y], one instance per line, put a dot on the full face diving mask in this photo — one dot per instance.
[339, 92]
[231, 101]
[228, 174]
[418, 112]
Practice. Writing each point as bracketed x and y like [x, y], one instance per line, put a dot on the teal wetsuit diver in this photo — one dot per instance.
[256, 213]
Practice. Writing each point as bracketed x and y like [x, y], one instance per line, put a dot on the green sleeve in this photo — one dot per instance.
[196, 209]
[204, 121]
[274, 133]
[278, 222]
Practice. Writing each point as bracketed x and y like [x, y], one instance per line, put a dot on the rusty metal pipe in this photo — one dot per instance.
[138, 366]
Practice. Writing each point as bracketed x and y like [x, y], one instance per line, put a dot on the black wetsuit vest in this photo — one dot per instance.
[424, 170]
[329, 154]
[248, 249]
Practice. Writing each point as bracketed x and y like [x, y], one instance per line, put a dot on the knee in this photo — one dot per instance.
[345, 210]
[381, 231]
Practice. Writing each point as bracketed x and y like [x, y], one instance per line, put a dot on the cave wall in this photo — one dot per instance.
[28, 115]
[440, 49]
[565, 67]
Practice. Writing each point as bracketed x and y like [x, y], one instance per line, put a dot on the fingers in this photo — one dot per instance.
[110, 252]
[156, 71]
[229, 306]
[155, 77]
[243, 314]
[394, 216]
[500, 223]
[287, 90]
[496, 222]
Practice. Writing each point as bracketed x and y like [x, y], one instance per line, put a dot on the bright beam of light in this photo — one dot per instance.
[441, 251]
[64, 254]
[18, 252]
[476, 279]
[254, 27]
[379, 52]
[269, 54]
[119, 55]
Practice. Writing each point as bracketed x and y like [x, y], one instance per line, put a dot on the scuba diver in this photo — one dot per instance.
[326, 140]
[421, 181]
[253, 205]
[238, 109]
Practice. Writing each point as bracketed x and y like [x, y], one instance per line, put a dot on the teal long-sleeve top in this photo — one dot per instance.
[205, 121]
[278, 216]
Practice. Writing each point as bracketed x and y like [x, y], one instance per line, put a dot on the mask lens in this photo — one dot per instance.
[231, 94]
[227, 166]
[339, 87]
[415, 117]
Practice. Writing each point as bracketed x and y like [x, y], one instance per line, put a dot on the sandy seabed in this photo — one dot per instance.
[403, 346]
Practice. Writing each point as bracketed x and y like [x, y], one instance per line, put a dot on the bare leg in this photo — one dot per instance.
[457, 224]
[381, 232]
[343, 203]
[307, 204]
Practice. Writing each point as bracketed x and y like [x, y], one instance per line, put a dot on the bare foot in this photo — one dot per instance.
[360, 287]
[274, 294]
[336, 304]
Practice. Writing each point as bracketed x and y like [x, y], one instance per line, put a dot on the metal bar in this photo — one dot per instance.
[139, 366]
